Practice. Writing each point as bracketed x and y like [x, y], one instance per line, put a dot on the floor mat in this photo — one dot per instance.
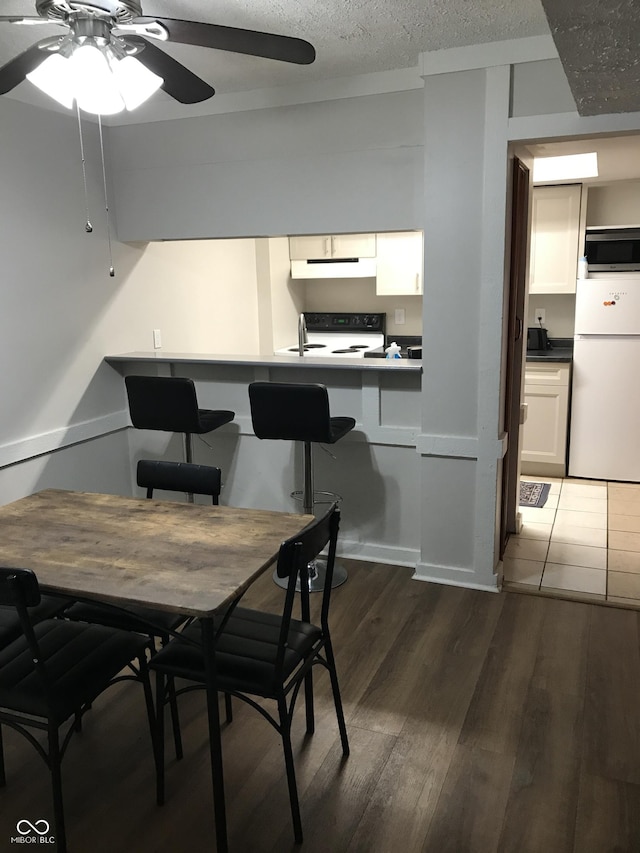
[534, 494]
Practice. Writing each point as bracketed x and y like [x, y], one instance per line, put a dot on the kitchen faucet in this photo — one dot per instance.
[302, 334]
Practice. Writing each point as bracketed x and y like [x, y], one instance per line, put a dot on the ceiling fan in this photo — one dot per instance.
[108, 57]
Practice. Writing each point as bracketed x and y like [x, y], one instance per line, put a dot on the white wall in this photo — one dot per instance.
[199, 293]
[334, 166]
[617, 203]
[540, 88]
[359, 294]
[62, 312]
[560, 309]
[280, 299]
[55, 287]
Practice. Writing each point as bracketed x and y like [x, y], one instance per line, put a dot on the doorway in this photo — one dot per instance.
[610, 200]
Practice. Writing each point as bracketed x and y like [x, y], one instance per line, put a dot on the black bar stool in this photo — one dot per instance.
[300, 412]
[170, 404]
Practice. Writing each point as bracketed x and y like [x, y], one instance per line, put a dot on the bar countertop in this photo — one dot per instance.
[368, 364]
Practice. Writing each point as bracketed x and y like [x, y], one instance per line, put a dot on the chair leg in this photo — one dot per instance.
[159, 738]
[173, 704]
[175, 719]
[148, 699]
[228, 707]
[3, 778]
[308, 702]
[285, 732]
[333, 675]
[56, 783]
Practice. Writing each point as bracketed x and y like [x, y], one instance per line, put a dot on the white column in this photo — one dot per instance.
[466, 116]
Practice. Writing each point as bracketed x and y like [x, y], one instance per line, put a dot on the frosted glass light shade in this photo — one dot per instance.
[135, 82]
[97, 79]
[54, 77]
[96, 89]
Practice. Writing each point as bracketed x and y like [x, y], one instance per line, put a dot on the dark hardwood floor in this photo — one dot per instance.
[478, 723]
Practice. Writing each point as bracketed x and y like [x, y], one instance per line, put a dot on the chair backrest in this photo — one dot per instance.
[19, 588]
[167, 403]
[291, 411]
[294, 556]
[179, 477]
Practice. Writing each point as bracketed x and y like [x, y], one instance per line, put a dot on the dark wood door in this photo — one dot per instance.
[515, 345]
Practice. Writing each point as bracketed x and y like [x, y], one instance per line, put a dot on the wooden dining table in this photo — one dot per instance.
[188, 559]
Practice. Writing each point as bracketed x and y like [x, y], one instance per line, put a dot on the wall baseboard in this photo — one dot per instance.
[451, 576]
[370, 552]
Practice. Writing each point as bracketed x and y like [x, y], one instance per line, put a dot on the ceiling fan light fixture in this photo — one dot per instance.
[54, 77]
[96, 89]
[135, 81]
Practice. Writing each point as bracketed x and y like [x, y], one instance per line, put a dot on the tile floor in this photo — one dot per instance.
[584, 543]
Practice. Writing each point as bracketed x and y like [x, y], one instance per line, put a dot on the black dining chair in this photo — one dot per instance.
[52, 672]
[265, 655]
[10, 625]
[186, 477]
[155, 474]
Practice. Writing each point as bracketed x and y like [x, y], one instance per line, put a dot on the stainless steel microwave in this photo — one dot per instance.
[612, 249]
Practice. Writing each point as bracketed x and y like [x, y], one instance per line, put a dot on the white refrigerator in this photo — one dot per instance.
[604, 441]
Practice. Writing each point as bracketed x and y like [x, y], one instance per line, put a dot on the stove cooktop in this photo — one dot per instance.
[340, 335]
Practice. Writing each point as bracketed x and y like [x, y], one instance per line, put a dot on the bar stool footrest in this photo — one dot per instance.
[325, 497]
[318, 569]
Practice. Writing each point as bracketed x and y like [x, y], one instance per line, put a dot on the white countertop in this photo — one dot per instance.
[410, 364]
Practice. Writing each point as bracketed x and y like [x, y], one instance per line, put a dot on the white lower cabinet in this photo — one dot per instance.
[544, 437]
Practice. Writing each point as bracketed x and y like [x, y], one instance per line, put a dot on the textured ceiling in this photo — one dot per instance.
[350, 36]
[598, 40]
[599, 44]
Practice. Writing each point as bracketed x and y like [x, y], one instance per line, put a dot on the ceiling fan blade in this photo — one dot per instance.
[250, 42]
[15, 71]
[27, 19]
[179, 82]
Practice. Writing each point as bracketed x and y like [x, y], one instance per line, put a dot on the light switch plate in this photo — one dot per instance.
[157, 339]
[399, 316]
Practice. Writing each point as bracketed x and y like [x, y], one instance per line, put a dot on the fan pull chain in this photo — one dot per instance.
[112, 272]
[88, 226]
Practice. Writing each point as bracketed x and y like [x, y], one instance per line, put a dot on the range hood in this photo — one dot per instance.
[334, 268]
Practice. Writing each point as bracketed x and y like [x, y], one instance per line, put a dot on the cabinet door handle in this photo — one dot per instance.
[333, 247]
[417, 282]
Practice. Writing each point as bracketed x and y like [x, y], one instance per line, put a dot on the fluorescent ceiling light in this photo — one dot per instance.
[564, 168]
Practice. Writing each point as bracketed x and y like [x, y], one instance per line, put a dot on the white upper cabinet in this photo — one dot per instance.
[556, 228]
[320, 246]
[399, 264]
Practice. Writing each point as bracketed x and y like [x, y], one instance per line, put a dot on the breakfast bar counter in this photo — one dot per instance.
[375, 468]
[368, 364]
